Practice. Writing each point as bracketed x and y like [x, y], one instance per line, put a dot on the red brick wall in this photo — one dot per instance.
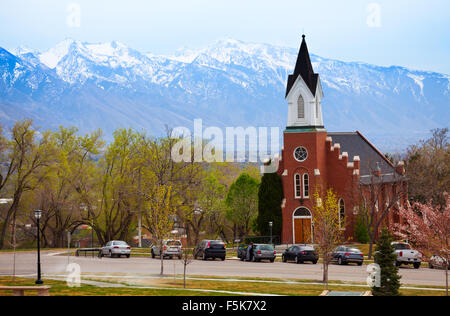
[334, 174]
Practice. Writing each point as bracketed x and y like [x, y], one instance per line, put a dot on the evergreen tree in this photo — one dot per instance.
[385, 258]
[361, 231]
[270, 197]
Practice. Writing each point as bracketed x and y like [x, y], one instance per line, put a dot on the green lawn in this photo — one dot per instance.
[59, 288]
[252, 285]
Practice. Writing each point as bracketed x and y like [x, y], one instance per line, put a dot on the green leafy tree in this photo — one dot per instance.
[211, 208]
[385, 258]
[27, 156]
[108, 199]
[327, 233]
[159, 215]
[56, 195]
[242, 202]
[270, 197]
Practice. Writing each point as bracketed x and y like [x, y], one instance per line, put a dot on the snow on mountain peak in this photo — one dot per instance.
[23, 50]
[223, 83]
[52, 57]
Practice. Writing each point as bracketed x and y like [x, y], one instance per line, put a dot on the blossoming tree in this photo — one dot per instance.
[428, 228]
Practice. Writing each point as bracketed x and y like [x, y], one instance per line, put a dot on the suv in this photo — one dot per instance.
[300, 254]
[405, 255]
[210, 249]
[259, 252]
[171, 248]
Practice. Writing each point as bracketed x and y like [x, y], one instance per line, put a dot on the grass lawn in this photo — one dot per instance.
[59, 288]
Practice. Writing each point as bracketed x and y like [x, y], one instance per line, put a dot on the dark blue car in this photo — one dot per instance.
[344, 255]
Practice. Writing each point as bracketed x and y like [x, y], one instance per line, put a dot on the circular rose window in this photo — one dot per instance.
[300, 154]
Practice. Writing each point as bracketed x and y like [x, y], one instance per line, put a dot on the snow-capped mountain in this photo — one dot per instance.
[229, 83]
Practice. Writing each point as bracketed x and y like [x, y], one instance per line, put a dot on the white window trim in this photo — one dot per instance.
[302, 106]
[295, 186]
[306, 196]
[306, 217]
[307, 154]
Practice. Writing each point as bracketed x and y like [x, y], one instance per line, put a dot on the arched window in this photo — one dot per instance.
[297, 182]
[301, 107]
[306, 185]
[302, 212]
[341, 214]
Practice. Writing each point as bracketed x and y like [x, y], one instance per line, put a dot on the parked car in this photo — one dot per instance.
[344, 255]
[437, 262]
[300, 254]
[116, 248]
[259, 252]
[210, 249]
[171, 249]
[406, 255]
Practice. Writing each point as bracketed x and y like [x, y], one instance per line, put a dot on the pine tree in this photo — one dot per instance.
[385, 258]
[270, 197]
[361, 232]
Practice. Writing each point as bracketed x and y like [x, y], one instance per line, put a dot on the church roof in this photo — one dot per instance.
[355, 144]
[303, 68]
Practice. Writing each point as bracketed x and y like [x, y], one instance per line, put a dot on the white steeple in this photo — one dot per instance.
[304, 93]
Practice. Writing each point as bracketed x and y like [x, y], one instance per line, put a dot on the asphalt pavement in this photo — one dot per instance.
[55, 264]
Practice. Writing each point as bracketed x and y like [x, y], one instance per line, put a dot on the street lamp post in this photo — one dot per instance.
[270, 225]
[38, 214]
[140, 213]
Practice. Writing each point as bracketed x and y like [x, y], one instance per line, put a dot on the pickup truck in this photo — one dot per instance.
[406, 255]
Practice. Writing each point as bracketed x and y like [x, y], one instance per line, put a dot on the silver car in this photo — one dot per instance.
[171, 249]
[116, 248]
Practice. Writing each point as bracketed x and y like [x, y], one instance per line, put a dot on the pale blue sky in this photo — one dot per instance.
[413, 33]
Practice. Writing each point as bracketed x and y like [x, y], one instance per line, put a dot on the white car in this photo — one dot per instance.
[437, 262]
[406, 255]
[116, 248]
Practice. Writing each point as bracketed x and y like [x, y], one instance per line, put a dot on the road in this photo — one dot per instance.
[53, 264]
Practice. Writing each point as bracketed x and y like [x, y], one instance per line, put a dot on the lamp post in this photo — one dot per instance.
[270, 225]
[38, 214]
[140, 213]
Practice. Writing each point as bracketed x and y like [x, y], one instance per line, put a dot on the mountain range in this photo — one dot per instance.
[229, 83]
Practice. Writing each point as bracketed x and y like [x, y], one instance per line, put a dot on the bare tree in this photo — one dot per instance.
[379, 195]
[188, 256]
[428, 166]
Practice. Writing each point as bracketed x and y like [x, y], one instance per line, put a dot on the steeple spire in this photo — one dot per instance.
[303, 68]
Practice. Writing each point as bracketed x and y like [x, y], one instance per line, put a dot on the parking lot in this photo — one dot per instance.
[56, 264]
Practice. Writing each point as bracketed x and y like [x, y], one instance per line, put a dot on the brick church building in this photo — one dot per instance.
[314, 158]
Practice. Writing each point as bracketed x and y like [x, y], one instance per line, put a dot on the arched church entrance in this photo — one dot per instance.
[302, 226]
